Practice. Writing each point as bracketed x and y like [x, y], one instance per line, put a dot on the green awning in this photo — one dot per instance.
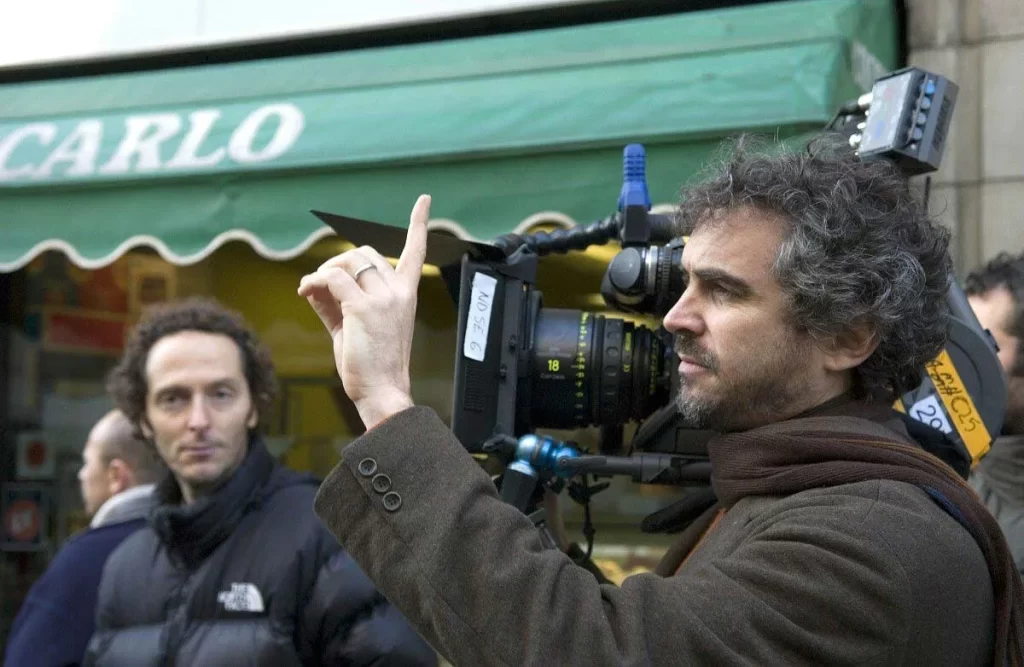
[501, 129]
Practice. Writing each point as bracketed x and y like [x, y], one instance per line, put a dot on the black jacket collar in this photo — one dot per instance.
[192, 532]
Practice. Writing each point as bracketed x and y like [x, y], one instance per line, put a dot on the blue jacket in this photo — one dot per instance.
[53, 626]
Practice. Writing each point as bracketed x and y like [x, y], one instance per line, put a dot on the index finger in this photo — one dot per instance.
[410, 264]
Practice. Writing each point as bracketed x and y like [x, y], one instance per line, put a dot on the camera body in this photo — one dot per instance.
[520, 366]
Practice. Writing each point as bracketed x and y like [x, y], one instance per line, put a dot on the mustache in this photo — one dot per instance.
[687, 346]
[204, 442]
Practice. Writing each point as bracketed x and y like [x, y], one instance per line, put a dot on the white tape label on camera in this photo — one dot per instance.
[479, 320]
[929, 411]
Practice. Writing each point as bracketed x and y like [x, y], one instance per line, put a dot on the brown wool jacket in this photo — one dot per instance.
[870, 573]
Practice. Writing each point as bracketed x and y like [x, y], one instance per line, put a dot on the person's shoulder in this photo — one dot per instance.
[84, 556]
[892, 503]
[902, 518]
[99, 539]
[288, 498]
[113, 532]
[286, 517]
[928, 519]
[143, 539]
[887, 539]
[869, 502]
[75, 555]
[288, 487]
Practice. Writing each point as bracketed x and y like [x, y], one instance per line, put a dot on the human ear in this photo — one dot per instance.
[851, 348]
[119, 476]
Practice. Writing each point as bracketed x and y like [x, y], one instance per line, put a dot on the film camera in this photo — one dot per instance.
[522, 367]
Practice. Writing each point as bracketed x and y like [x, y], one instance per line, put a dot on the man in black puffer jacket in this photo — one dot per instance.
[234, 567]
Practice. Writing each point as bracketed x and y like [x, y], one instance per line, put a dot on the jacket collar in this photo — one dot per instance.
[193, 532]
[134, 503]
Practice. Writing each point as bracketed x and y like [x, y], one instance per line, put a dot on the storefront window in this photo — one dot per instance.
[67, 333]
[74, 325]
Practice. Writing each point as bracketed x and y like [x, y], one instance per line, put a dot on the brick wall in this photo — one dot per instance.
[979, 192]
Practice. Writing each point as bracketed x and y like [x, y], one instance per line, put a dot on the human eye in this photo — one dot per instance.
[223, 393]
[719, 292]
[171, 401]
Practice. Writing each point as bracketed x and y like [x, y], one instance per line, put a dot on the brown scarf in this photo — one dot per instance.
[845, 445]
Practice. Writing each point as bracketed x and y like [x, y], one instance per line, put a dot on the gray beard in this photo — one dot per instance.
[759, 401]
[698, 414]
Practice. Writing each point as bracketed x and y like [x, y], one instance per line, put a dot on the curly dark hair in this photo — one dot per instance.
[1004, 271]
[127, 380]
[860, 249]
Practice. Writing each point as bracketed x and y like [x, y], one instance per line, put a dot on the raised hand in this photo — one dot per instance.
[369, 308]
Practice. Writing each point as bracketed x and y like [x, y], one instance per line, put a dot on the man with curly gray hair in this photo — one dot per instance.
[815, 291]
[858, 276]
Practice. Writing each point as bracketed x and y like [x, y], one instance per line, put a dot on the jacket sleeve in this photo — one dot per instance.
[48, 629]
[348, 622]
[472, 575]
[56, 619]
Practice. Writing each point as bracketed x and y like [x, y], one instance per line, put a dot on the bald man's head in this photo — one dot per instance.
[114, 460]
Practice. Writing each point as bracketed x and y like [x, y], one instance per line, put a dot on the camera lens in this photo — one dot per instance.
[592, 370]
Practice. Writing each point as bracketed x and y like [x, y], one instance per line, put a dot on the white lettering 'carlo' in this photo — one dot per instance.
[149, 143]
[241, 597]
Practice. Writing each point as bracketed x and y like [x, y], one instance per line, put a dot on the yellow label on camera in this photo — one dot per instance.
[959, 407]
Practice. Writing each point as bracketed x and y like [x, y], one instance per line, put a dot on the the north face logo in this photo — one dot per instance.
[241, 597]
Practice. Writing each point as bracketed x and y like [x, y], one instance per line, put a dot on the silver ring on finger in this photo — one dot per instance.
[361, 269]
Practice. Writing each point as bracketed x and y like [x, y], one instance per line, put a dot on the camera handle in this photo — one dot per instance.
[533, 459]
